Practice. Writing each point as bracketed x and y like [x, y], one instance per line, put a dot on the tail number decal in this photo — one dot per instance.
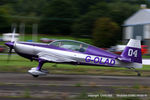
[132, 52]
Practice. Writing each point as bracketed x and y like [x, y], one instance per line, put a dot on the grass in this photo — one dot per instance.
[27, 94]
[146, 56]
[78, 85]
[20, 64]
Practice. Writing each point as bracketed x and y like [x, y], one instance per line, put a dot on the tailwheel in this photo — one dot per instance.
[35, 75]
[138, 73]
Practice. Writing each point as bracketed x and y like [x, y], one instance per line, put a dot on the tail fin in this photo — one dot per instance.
[132, 52]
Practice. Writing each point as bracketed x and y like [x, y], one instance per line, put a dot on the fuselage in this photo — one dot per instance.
[91, 56]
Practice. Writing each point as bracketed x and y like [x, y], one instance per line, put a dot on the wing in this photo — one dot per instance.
[54, 57]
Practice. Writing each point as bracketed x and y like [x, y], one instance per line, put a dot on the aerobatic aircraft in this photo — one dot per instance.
[75, 52]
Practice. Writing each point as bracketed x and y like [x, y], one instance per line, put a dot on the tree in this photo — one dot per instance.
[5, 2]
[84, 24]
[118, 11]
[4, 20]
[58, 17]
[30, 7]
[105, 32]
[83, 6]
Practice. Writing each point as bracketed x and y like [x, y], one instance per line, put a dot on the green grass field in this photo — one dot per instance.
[19, 64]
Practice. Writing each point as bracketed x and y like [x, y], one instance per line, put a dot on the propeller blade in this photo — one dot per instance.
[13, 35]
[11, 46]
[9, 54]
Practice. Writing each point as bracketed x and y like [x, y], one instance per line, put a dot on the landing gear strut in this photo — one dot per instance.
[36, 71]
[138, 73]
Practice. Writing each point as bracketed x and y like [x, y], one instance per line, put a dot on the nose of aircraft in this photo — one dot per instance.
[10, 44]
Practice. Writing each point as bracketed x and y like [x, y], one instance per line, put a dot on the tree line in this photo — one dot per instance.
[79, 18]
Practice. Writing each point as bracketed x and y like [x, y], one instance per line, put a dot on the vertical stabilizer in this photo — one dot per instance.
[132, 51]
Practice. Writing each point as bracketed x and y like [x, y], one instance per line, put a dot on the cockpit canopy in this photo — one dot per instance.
[71, 45]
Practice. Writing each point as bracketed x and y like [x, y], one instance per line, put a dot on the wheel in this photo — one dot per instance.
[35, 75]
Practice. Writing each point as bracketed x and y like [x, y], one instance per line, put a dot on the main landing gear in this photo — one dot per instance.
[36, 71]
[138, 73]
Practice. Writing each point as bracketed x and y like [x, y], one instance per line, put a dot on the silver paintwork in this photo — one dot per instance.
[61, 56]
[35, 71]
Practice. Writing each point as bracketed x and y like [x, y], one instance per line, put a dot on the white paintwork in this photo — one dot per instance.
[26, 49]
[35, 71]
[134, 43]
[13, 36]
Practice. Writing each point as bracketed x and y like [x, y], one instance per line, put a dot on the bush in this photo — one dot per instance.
[105, 32]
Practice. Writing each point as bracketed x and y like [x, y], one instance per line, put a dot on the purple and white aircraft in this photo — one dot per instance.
[75, 52]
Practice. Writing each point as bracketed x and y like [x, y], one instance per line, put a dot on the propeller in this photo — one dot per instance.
[11, 44]
[9, 54]
[13, 35]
